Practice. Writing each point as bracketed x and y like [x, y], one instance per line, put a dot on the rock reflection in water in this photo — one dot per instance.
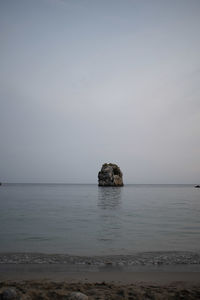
[110, 231]
[109, 197]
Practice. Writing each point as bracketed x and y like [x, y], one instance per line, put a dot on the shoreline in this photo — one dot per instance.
[155, 258]
[180, 265]
[146, 275]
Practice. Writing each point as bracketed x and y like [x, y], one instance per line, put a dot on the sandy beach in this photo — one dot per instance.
[101, 290]
[107, 286]
[99, 278]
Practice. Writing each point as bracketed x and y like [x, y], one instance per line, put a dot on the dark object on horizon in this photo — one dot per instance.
[110, 175]
[0, 183]
[197, 186]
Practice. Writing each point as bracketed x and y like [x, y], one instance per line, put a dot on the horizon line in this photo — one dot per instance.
[89, 183]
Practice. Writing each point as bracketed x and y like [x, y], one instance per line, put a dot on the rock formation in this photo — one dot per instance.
[110, 175]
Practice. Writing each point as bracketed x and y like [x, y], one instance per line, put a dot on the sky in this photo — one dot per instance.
[84, 82]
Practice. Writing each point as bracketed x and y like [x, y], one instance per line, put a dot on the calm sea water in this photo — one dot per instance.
[87, 219]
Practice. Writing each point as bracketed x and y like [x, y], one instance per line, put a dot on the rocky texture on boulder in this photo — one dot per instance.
[110, 175]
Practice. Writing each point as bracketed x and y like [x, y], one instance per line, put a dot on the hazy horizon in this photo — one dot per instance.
[88, 82]
[95, 183]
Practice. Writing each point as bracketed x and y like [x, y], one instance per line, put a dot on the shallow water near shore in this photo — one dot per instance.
[92, 220]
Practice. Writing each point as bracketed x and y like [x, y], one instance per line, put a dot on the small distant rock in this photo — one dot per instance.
[78, 296]
[110, 175]
[108, 263]
[9, 294]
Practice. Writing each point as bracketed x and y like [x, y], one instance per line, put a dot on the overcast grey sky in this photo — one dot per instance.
[83, 82]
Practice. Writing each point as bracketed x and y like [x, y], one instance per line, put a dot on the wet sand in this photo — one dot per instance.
[69, 273]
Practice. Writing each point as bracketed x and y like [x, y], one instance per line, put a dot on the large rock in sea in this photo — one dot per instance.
[110, 175]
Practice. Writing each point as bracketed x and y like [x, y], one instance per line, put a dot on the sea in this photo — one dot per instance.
[85, 219]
